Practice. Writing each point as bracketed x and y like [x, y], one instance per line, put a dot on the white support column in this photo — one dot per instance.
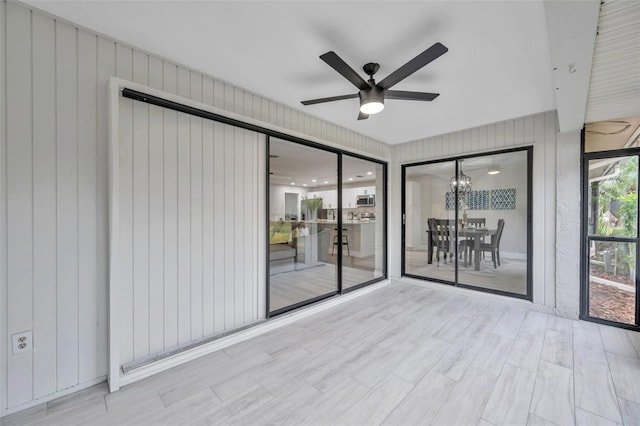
[568, 224]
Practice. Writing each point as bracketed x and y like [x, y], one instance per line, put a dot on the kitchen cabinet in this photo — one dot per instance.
[329, 198]
[349, 195]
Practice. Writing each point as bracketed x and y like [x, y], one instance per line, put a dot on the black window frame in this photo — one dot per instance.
[585, 238]
[529, 294]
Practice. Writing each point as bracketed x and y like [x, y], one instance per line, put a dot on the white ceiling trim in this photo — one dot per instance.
[571, 26]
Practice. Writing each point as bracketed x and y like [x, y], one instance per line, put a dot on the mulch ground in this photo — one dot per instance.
[610, 303]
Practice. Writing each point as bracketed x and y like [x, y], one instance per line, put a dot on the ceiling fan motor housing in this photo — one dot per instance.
[371, 68]
[374, 94]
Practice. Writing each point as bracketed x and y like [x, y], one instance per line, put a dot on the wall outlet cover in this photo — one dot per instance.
[22, 342]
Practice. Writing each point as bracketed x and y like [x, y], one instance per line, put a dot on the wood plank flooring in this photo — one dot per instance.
[307, 282]
[511, 276]
[405, 354]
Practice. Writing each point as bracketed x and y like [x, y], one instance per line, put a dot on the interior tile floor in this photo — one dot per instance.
[409, 353]
[304, 283]
[510, 276]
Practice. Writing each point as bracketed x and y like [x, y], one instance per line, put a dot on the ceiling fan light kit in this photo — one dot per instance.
[372, 95]
[371, 101]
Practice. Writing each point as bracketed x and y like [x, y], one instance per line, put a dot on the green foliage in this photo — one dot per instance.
[313, 203]
[623, 191]
[623, 188]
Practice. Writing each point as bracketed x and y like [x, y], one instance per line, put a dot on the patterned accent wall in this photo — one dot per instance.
[478, 200]
[475, 200]
[503, 199]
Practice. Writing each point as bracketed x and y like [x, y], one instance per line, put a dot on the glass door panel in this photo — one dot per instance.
[613, 198]
[302, 189]
[612, 282]
[467, 221]
[429, 247]
[612, 218]
[493, 223]
[362, 222]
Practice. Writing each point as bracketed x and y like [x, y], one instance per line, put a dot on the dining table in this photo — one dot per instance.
[476, 234]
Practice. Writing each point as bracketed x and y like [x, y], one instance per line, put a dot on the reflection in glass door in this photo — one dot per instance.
[612, 238]
[363, 233]
[468, 222]
[303, 188]
[429, 249]
[494, 220]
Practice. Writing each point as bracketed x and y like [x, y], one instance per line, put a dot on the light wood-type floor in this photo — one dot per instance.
[304, 283]
[408, 353]
[510, 276]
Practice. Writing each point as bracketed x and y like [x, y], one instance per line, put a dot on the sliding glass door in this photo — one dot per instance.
[611, 243]
[429, 214]
[467, 222]
[303, 184]
[327, 223]
[363, 220]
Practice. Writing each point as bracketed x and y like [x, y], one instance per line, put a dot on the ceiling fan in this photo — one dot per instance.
[372, 94]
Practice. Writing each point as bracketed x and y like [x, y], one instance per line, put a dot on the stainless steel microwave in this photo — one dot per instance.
[366, 200]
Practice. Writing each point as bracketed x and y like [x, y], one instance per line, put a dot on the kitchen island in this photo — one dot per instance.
[361, 236]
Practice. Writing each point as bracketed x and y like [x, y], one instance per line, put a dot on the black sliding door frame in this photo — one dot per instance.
[586, 238]
[268, 132]
[339, 224]
[456, 282]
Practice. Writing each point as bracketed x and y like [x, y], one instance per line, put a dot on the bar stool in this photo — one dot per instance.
[345, 241]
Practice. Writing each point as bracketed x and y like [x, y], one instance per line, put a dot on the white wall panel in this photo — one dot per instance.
[67, 204]
[106, 68]
[87, 207]
[44, 203]
[3, 213]
[56, 204]
[19, 263]
[193, 199]
[539, 130]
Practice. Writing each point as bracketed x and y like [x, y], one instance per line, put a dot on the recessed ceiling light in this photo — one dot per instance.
[304, 184]
[326, 181]
[494, 171]
[293, 183]
[369, 173]
[313, 180]
[350, 178]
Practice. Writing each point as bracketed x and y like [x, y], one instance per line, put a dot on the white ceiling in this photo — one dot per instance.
[298, 165]
[498, 65]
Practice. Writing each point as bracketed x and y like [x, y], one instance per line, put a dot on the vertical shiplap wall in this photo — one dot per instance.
[189, 197]
[539, 130]
[55, 200]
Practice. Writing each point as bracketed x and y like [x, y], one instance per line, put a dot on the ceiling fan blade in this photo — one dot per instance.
[362, 116]
[410, 96]
[335, 62]
[413, 65]
[331, 99]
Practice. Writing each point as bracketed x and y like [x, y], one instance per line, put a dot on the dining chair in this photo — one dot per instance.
[475, 222]
[442, 232]
[494, 245]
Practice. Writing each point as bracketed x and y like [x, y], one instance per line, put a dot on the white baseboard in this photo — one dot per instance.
[52, 396]
[224, 342]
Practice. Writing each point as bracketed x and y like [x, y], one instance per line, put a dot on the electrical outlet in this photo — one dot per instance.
[22, 342]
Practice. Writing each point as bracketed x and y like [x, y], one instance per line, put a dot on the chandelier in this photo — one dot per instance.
[462, 182]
